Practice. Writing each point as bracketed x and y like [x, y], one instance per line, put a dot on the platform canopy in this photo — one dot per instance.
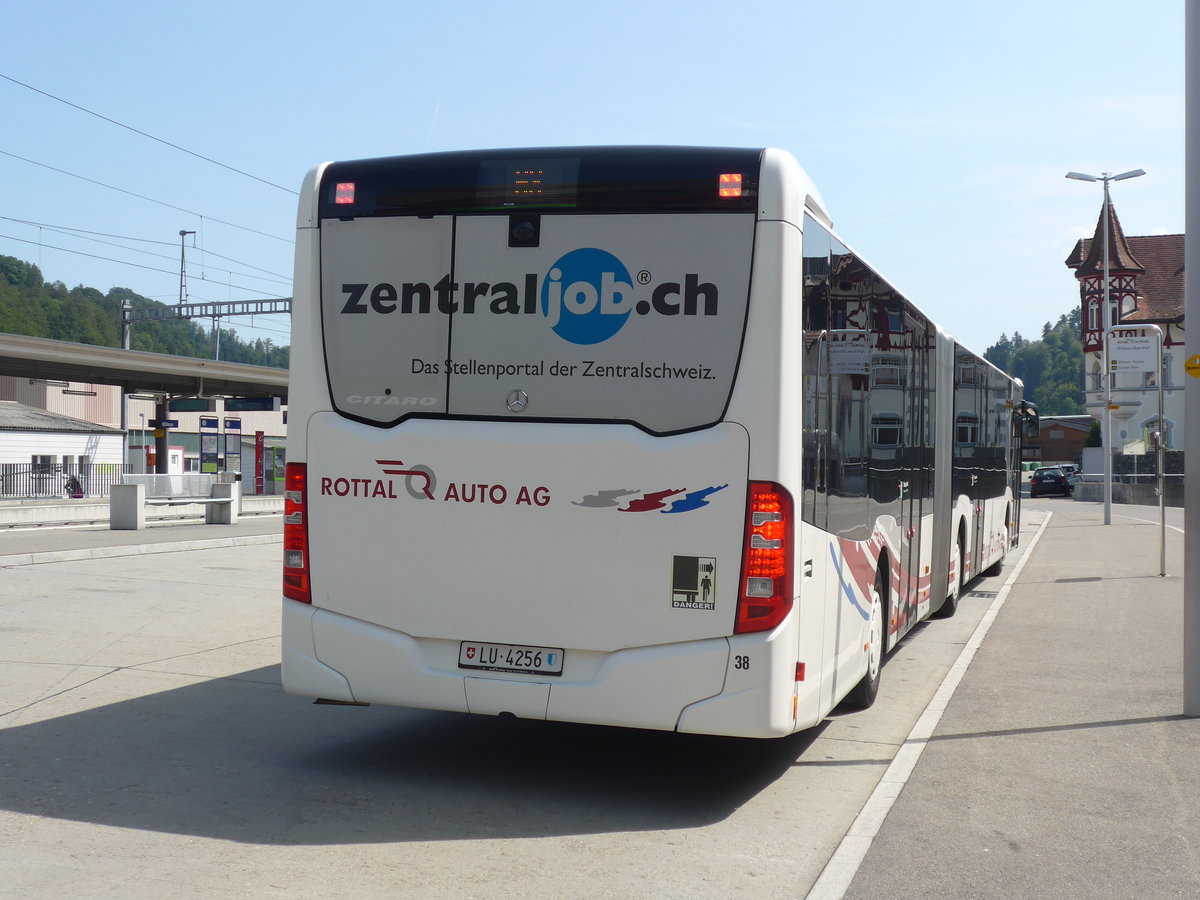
[136, 371]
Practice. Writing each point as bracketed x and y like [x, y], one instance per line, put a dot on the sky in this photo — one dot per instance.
[938, 133]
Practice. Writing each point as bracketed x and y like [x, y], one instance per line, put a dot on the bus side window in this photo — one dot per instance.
[815, 386]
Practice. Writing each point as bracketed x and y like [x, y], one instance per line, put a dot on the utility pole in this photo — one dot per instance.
[126, 340]
[183, 265]
[1109, 319]
[1191, 502]
[216, 329]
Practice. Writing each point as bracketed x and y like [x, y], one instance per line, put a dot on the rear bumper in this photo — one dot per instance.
[691, 686]
[1062, 492]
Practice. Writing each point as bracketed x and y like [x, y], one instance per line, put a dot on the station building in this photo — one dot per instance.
[242, 439]
[1146, 287]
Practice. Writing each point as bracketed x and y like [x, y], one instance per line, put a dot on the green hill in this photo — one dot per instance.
[31, 306]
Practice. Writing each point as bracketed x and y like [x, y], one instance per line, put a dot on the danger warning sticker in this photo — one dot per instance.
[694, 582]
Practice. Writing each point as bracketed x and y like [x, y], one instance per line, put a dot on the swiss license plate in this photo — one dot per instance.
[510, 658]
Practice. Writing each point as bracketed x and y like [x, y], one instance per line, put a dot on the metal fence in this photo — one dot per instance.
[25, 481]
[186, 484]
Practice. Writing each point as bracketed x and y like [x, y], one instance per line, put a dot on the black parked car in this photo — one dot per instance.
[1050, 480]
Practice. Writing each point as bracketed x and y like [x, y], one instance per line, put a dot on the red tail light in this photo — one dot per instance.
[766, 594]
[295, 534]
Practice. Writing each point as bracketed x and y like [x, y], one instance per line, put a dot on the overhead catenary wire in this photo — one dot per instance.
[68, 229]
[81, 234]
[144, 197]
[123, 237]
[242, 326]
[126, 263]
[268, 275]
[145, 134]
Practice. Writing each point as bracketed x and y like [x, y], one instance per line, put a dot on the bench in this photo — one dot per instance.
[127, 505]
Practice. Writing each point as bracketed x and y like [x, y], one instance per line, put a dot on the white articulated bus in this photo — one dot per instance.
[619, 435]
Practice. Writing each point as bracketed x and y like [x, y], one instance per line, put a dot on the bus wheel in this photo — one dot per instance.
[950, 606]
[865, 692]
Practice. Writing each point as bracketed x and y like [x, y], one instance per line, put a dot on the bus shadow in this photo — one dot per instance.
[236, 759]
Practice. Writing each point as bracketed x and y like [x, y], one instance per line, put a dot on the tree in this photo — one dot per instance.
[20, 274]
[1051, 369]
[1000, 353]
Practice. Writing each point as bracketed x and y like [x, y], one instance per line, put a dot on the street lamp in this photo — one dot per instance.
[1105, 313]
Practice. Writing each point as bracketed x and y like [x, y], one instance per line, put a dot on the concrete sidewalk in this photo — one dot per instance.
[1062, 766]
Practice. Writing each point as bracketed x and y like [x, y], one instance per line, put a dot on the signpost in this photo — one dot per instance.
[209, 445]
[259, 444]
[1131, 351]
[233, 445]
[1139, 349]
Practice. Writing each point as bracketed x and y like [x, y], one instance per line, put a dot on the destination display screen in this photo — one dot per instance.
[528, 182]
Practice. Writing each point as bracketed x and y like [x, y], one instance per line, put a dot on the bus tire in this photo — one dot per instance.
[950, 605]
[864, 693]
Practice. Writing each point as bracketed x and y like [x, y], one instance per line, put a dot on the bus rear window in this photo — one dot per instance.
[635, 318]
[596, 179]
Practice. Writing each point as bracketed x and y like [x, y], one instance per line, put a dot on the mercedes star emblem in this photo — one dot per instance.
[517, 401]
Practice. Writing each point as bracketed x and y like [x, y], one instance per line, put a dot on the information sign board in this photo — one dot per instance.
[1132, 352]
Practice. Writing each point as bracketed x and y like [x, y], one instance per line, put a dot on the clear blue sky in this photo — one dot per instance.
[938, 133]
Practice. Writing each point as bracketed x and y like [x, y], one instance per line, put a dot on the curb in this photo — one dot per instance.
[54, 556]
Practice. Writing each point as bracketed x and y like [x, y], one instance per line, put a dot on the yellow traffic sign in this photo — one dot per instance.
[1192, 366]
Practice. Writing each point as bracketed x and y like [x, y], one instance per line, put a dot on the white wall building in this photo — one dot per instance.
[45, 454]
[100, 404]
[29, 435]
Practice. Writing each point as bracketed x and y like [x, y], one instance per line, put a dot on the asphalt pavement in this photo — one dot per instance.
[1059, 766]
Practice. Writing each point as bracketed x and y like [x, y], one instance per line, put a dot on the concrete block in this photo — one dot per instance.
[127, 507]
